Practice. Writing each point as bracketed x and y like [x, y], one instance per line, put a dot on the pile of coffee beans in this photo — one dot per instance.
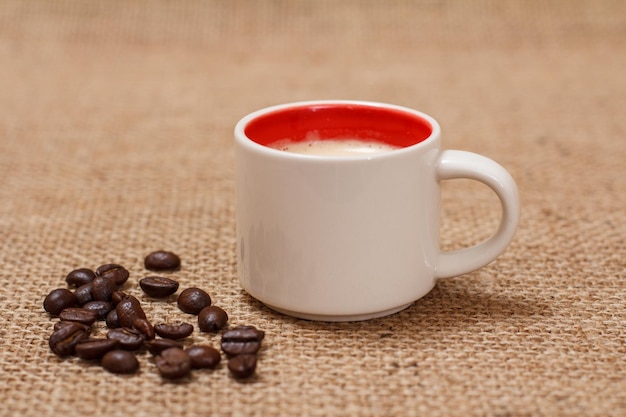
[97, 296]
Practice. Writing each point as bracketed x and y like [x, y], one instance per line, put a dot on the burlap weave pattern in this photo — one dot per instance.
[116, 139]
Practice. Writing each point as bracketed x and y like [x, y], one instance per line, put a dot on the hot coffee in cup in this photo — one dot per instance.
[333, 147]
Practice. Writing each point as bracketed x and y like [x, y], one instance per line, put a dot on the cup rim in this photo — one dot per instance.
[242, 139]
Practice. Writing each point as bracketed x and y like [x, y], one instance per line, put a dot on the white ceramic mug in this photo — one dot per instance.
[338, 238]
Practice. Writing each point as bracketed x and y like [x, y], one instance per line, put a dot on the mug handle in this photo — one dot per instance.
[460, 164]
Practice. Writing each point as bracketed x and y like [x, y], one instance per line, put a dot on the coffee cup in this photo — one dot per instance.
[338, 208]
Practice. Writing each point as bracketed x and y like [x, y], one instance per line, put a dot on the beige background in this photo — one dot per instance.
[116, 125]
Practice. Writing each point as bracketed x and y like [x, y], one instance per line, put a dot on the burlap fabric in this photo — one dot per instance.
[116, 125]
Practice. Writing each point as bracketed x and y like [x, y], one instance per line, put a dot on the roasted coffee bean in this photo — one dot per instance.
[79, 277]
[79, 315]
[83, 294]
[242, 340]
[193, 300]
[129, 309]
[173, 363]
[212, 319]
[144, 327]
[129, 339]
[203, 356]
[174, 331]
[58, 300]
[158, 287]
[94, 348]
[61, 324]
[242, 366]
[156, 346]
[97, 297]
[162, 261]
[101, 308]
[120, 361]
[118, 296]
[117, 273]
[112, 321]
[63, 341]
[102, 288]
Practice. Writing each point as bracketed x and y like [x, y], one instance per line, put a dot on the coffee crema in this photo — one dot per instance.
[333, 147]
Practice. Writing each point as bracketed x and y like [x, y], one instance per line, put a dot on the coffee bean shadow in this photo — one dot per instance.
[87, 365]
[453, 305]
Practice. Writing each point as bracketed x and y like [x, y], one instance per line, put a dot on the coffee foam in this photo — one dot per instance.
[333, 147]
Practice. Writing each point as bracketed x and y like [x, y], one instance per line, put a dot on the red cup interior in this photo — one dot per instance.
[339, 121]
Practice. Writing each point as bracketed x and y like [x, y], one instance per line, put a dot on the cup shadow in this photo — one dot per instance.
[451, 305]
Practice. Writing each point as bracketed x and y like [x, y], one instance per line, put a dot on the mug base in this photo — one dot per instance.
[339, 318]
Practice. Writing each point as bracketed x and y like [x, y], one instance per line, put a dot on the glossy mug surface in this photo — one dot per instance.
[337, 232]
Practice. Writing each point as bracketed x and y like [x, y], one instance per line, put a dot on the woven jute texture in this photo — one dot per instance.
[116, 123]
